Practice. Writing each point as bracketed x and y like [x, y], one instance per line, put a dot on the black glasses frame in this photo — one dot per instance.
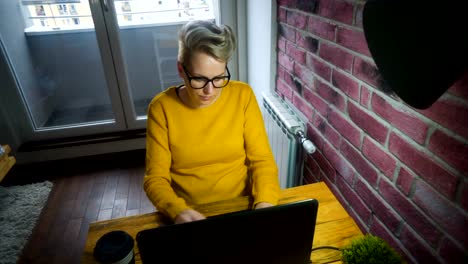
[190, 78]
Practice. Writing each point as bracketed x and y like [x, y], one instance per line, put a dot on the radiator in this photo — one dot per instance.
[286, 134]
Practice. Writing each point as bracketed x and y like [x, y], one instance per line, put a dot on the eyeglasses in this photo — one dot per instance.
[201, 82]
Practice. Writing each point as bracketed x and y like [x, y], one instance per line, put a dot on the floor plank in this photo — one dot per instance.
[97, 188]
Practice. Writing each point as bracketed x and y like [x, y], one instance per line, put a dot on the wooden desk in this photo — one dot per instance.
[6, 162]
[334, 226]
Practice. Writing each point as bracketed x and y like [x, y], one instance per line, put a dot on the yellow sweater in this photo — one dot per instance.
[202, 155]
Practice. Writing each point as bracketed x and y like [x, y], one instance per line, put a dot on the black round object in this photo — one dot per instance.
[419, 46]
[115, 247]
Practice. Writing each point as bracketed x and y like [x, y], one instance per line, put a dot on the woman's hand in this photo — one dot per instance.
[188, 215]
[263, 205]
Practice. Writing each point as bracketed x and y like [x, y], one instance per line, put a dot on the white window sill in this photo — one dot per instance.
[39, 30]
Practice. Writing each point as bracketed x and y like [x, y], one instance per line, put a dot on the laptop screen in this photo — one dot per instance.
[279, 234]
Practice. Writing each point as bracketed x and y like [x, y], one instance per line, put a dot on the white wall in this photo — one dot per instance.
[261, 45]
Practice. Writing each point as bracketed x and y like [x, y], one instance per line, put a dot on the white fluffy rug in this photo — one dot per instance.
[20, 207]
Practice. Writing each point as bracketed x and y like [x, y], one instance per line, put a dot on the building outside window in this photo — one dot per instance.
[40, 10]
[62, 9]
[129, 13]
[126, 7]
[127, 17]
[73, 10]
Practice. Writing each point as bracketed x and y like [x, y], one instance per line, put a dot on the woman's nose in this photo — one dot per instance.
[208, 89]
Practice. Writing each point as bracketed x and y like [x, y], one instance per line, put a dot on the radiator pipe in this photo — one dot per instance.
[308, 146]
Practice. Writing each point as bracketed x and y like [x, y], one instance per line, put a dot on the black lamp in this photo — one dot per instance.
[420, 47]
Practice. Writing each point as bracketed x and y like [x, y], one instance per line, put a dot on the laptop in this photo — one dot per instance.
[281, 234]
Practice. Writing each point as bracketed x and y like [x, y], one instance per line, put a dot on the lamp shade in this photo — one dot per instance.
[419, 47]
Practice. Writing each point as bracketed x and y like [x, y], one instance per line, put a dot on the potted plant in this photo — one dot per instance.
[370, 249]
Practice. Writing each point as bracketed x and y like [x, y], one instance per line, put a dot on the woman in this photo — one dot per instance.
[206, 140]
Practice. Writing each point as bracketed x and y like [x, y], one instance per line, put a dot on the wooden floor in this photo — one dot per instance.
[85, 190]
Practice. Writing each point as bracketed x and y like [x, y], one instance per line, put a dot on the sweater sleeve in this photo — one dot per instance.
[157, 181]
[263, 169]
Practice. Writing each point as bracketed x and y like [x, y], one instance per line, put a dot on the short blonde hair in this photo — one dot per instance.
[216, 41]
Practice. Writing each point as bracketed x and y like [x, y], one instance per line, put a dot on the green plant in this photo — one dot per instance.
[370, 249]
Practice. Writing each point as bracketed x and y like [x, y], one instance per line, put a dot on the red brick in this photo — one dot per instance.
[352, 39]
[368, 123]
[459, 88]
[450, 114]
[443, 212]
[450, 149]
[359, 163]
[337, 10]
[321, 28]
[330, 95]
[410, 213]
[295, 19]
[339, 163]
[314, 135]
[402, 118]
[326, 167]
[336, 56]
[405, 180]
[309, 6]
[353, 199]
[297, 54]
[280, 73]
[464, 196]
[414, 244]
[423, 165]
[345, 84]
[282, 15]
[366, 71]
[358, 18]
[303, 106]
[379, 230]
[304, 74]
[282, 44]
[309, 177]
[286, 3]
[365, 96]
[362, 226]
[307, 42]
[287, 32]
[378, 206]
[335, 191]
[327, 131]
[344, 127]
[285, 61]
[450, 252]
[318, 66]
[313, 167]
[289, 79]
[283, 89]
[318, 103]
[379, 157]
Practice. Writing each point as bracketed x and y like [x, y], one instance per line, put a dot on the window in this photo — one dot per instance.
[73, 10]
[40, 10]
[60, 9]
[126, 7]
[128, 17]
[129, 13]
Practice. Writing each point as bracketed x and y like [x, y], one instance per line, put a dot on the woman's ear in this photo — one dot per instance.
[180, 69]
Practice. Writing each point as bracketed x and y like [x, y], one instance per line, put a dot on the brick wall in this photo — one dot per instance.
[400, 172]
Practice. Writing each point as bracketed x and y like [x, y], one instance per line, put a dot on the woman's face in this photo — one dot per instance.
[202, 65]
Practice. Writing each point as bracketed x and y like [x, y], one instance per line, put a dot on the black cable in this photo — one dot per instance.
[326, 247]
